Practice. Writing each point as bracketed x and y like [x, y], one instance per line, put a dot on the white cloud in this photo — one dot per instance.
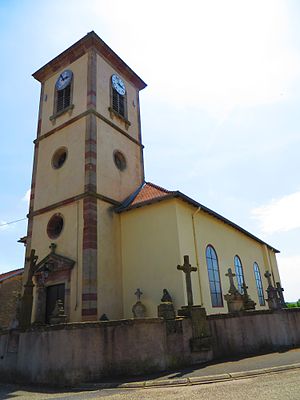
[215, 55]
[280, 215]
[26, 197]
[290, 276]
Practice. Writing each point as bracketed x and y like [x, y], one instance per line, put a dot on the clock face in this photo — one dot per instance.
[118, 84]
[64, 79]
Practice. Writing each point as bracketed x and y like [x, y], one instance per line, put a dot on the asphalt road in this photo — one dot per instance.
[276, 386]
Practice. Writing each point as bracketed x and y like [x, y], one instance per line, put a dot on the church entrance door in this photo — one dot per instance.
[54, 293]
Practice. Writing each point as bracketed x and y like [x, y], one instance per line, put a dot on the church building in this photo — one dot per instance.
[99, 231]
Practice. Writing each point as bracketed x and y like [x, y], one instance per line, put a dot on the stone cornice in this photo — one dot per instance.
[77, 50]
[70, 200]
[84, 114]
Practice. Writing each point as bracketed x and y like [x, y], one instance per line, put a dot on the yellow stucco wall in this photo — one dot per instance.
[150, 254]
[110, 298]
[227, 243]
[156, 237]
[53, 185]
[104, 73]
[112, 182]
[79, 69]
[69, 244]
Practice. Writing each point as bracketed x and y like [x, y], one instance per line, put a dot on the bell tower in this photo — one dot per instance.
[88, 158]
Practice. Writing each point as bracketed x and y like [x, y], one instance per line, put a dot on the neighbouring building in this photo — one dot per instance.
[10, 291]
[98, 229]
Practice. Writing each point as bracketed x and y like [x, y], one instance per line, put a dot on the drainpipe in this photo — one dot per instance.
[269, 263]
[196, 252]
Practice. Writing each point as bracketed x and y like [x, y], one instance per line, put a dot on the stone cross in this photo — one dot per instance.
[231, 275]
[268, 276]
[245, 287]
[280, 291]
[138, 294]
[187, 269]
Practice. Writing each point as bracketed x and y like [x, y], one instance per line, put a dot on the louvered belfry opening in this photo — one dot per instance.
[118, 103]
[63, 98]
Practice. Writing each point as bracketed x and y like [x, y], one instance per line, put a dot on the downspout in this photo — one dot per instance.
[269, 262]
[196, 252]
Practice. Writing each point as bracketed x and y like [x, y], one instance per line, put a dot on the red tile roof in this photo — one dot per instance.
[149, 192]
[10, 274]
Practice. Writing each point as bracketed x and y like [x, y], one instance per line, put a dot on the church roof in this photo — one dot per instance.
[11, 274]
[149, 193]
[78, 49]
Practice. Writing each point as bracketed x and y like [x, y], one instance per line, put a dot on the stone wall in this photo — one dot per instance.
[9, 291]
[83, 352]
[254, 332]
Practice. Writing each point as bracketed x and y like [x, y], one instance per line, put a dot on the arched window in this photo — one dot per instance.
[214, 277]
[239, 273]
[259, 286]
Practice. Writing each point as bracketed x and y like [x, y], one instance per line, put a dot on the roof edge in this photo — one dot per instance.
[183, 197]
[78, 49]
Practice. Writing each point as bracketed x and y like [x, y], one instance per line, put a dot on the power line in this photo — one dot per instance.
[12, 222]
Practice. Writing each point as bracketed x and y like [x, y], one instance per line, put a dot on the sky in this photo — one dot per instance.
[220, 114]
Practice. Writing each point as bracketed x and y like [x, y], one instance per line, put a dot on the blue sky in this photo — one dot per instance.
[220, 115]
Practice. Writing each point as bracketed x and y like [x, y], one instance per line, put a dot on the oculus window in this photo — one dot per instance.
[55, 226]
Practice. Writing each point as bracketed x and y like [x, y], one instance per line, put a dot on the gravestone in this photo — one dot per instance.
[138, 309]
[280, 291]
[272, 299]
[201, 337]
[234, 299]
[166, 309]
[249, 304]
[58, 315]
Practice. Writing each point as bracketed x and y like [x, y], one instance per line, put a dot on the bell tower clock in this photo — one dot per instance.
[88, 158]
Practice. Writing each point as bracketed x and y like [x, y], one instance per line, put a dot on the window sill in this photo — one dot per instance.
[114, 113]
[58, 114]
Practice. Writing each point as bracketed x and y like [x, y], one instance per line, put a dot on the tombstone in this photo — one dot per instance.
[58, 315]
[166, 309]
[249, 304]
[272, 299]
[201, 339]
[104, 317]
[234, 299]
[280, 291]
[138, 309]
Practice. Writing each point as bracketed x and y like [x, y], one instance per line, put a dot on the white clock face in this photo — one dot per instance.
[118, 84]
[64, 79]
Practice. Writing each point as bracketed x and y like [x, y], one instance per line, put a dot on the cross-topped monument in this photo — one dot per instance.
[187, 269]
[268, 276]
[231, 275]
[138, 294]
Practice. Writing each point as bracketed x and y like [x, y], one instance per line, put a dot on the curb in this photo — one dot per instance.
[200, 380]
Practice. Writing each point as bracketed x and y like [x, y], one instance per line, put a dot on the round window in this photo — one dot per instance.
[120, 160]
[59, 158]
[55, 226]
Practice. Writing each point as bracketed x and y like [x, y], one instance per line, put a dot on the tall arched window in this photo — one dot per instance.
[259, 286]
[239, 273]
[214, 277]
